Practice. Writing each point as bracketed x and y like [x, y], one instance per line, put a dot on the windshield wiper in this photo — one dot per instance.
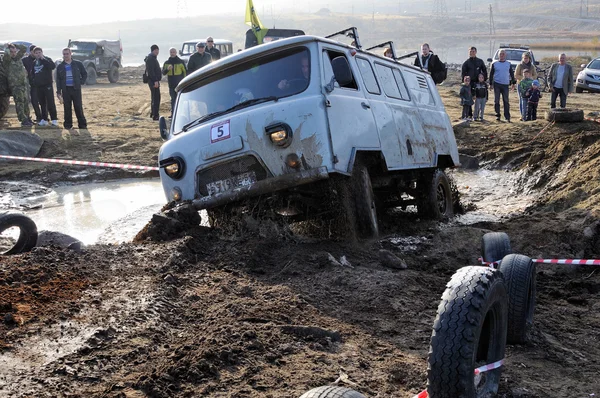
[236, 107]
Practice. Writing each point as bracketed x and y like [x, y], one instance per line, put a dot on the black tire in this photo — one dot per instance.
[367, 225]
[332, 392]
[28, 233]
[113, 74]
[469, 331]
[578, 90]
[435, 193]
[519, 276]
[92, 76]
[564, 115]
[494, 246]
[4, 103]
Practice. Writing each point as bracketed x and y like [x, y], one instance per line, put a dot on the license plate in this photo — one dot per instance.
[594, 86]
[228, 184]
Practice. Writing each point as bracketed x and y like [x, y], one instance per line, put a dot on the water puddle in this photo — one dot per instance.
[496, 194]
[108, 212]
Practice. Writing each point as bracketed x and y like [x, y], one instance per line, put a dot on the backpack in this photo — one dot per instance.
[440, 75]
[145, 75]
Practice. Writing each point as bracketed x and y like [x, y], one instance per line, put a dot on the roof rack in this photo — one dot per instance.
[388, 44]
[350, 32]
[510, 45]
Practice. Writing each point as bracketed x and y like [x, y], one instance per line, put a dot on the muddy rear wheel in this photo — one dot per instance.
[4, 103]
[92, 76]
[364, 203]
[113, 74]
[435, 196]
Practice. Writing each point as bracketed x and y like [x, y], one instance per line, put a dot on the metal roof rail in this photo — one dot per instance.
[350, 32]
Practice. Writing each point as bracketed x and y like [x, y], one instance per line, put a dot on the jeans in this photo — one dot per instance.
[35, 103]
[498, 90]
[479, 108]
[532, 111]
[563, 97]
[154, 100]
[467, 110]
[72, 97]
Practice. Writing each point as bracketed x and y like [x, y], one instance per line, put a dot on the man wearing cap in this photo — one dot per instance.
[28, 62]
[154, 77]
[199, 59]
[211, 49]
[560, 81]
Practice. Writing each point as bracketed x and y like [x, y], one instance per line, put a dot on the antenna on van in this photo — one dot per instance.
[388, 44]
[350, 32]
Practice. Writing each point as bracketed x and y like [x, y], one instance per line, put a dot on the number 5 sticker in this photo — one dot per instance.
[219, 132]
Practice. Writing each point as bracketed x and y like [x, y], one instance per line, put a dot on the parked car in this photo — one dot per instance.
[589, 78]
[189, 47]
[514, 54]
[99, 56]
[313, 128]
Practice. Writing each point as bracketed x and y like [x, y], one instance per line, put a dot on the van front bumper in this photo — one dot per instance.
[267, 186]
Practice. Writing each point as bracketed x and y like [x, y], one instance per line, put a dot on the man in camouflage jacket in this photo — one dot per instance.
[18, 84]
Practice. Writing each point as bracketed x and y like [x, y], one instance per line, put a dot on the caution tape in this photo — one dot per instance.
[481, 369]
[542, 130]
[589, 119]
[81, 163]
[574, 261]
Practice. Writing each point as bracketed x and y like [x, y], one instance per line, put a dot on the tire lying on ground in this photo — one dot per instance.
[28, 233]
[564, 115]
[332, 392]
[494, 246]
[469, 331]
[519, 276]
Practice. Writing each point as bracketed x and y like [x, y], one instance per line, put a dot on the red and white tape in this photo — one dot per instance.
[592, 119]
[574, 261]
[81, 163]
[481, 369]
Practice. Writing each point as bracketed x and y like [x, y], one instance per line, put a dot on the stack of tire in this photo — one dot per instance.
[481, 310]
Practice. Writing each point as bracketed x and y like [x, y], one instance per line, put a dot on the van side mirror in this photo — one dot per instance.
[583, 65]
[180, 52]
[341, 70]
[162, 126]
[489, 60]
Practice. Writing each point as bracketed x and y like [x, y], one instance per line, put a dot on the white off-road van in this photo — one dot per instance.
[308, 127]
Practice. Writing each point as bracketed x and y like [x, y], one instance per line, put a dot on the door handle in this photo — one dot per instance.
[365, 105]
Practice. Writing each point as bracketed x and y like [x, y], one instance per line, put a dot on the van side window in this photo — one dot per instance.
[328, 56]
[366, 70]
[401, 84]
[388, 81]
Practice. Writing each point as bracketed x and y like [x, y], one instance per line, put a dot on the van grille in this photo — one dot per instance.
[228, 170]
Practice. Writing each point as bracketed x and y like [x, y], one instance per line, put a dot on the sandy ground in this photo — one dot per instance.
[207, 314]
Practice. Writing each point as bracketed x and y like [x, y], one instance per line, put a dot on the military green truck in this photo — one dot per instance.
[98, 57]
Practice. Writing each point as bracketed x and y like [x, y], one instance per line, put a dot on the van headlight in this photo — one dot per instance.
[280, 134]
[174, 167]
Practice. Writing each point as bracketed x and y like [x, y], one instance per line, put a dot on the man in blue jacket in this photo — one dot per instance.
[70, 76]
[501, 78]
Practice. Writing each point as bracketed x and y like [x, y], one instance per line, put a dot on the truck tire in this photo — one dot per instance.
[494, 246]
[332, 392]
[367, 225]
[435, 199]
[113, 74]
[92, 76]
[4, 103]
[469, 331]
[564, 115]
[28, 233]
[519, 276]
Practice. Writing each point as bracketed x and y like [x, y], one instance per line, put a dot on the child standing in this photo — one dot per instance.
[481, 97]
[466, 98]
[524, 85]
[533, 96]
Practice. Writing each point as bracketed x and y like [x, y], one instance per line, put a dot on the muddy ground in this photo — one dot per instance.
[266, 313]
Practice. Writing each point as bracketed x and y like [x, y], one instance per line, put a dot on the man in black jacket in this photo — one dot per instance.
[70, 76]
[28, 61]
[42, 81]
[214, 52]
[199, 59]
[154, 77]
[472, 67]
[429, 61]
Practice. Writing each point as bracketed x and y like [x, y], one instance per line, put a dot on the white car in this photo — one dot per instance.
[514, 54]
[589, 78]
[308, 127]
[189, 47]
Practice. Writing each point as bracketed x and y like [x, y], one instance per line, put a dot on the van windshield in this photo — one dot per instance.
[82, 47]
[274, 76]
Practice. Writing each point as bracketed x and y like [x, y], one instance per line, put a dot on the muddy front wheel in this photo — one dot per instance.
[435, 199]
